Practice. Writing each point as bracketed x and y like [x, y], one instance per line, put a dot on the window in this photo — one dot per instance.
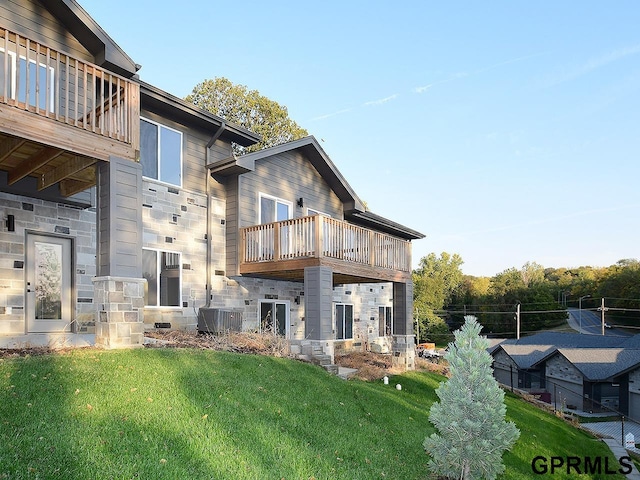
[385, 321]
[161, 152]
[344, 321]
[41, 81]
[274, 209]
[162, 272]
[311, 211]
[274, 317]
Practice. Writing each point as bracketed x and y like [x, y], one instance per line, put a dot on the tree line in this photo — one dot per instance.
[443, 295]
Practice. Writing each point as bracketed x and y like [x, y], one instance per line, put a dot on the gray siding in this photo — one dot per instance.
[120, 218]
[318, 292]
[288, 176]
[232, 234]
[403, 308]
[32, 20]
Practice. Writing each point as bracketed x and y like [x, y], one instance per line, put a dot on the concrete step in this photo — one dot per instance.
[331, 368]
[321, 359]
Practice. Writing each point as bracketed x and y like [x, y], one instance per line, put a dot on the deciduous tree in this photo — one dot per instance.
[249, 109]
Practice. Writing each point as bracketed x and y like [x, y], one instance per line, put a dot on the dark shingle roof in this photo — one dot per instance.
[525, 356]
[598, 364]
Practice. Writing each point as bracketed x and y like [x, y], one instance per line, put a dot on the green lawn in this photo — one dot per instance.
[172, 413]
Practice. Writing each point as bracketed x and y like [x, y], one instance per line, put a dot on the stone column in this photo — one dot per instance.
[120, 311]
[404, 345]
[119, 286]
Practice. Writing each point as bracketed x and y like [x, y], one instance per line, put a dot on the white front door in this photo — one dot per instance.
[49, 270]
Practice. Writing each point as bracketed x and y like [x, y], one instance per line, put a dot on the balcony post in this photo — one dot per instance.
[318, 219]
[276, 241]
[372, 248]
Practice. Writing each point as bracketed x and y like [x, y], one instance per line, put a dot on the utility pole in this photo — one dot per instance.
[602, 310]
[518, 321]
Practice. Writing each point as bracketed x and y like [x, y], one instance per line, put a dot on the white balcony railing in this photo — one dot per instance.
[319, 236]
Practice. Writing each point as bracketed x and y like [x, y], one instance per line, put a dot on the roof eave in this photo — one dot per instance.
[156, 97]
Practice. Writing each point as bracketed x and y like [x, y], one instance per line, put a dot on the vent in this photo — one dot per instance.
[219, 320]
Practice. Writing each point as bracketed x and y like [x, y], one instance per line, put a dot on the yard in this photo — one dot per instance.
[204, 413]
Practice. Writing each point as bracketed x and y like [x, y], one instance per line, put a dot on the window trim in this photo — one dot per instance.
[287, 320]
[158, 260]
[316, 212]
[386, 308]
[277, 200]
[14, 65]
[335, 320]
[158, 151]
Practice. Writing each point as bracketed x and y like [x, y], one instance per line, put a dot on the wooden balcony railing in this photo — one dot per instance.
[319, 236]
[52, 84]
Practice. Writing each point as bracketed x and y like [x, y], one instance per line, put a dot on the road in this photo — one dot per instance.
[591, 323]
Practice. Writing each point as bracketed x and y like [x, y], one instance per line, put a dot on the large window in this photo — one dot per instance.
[385, 321]
[39, 85]
[161, 152]
[162, 272]
[273, 209]
[344, 321]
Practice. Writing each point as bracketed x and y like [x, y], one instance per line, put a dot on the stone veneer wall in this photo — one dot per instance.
[175, 220]
[560, 368]
[502, 369]
[47, 218]
[634, 381]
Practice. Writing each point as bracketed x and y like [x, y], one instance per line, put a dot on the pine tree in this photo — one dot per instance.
[470, 416]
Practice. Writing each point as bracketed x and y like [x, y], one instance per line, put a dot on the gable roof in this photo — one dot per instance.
[598, 364]
[80, 24]
[525, 356]
[355, 210]
[577, 340]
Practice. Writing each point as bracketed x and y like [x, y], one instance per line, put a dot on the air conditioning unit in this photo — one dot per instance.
[219, 320]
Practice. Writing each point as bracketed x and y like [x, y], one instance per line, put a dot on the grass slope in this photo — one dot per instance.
[173, 413]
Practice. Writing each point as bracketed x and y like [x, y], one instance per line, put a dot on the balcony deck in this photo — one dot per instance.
[61, 115]
[282, 250]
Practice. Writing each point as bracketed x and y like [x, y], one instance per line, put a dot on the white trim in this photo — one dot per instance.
[385, 319]
[335, 320]
[316, 212]
[277, 200]
[14, 65]
[158, 266]
[287, 305]
[159, 152]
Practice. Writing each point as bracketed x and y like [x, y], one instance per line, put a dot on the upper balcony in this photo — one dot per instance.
[59, 115]
[357, 255]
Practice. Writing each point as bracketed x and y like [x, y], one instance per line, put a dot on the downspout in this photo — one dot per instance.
[216, 136]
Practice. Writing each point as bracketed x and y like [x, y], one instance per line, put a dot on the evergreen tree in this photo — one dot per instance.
[470, 416]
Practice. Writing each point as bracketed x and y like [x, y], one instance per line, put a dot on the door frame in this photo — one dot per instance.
[71, 268]
[287, 305]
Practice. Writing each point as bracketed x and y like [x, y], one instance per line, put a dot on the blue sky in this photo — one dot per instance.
[507, 132]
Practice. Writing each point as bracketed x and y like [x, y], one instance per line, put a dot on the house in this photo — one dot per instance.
[124, 209]
[584, 372]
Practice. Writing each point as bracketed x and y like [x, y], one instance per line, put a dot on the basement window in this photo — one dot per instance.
[162, 271]
[344, 321]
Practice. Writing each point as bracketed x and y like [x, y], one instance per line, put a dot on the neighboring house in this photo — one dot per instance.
[123, 209]
[584, 372]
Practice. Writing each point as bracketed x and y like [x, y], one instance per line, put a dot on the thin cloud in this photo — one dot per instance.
[381, 101]
[592, 64]
[423, 89]
[459, 75]
[329, 115]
